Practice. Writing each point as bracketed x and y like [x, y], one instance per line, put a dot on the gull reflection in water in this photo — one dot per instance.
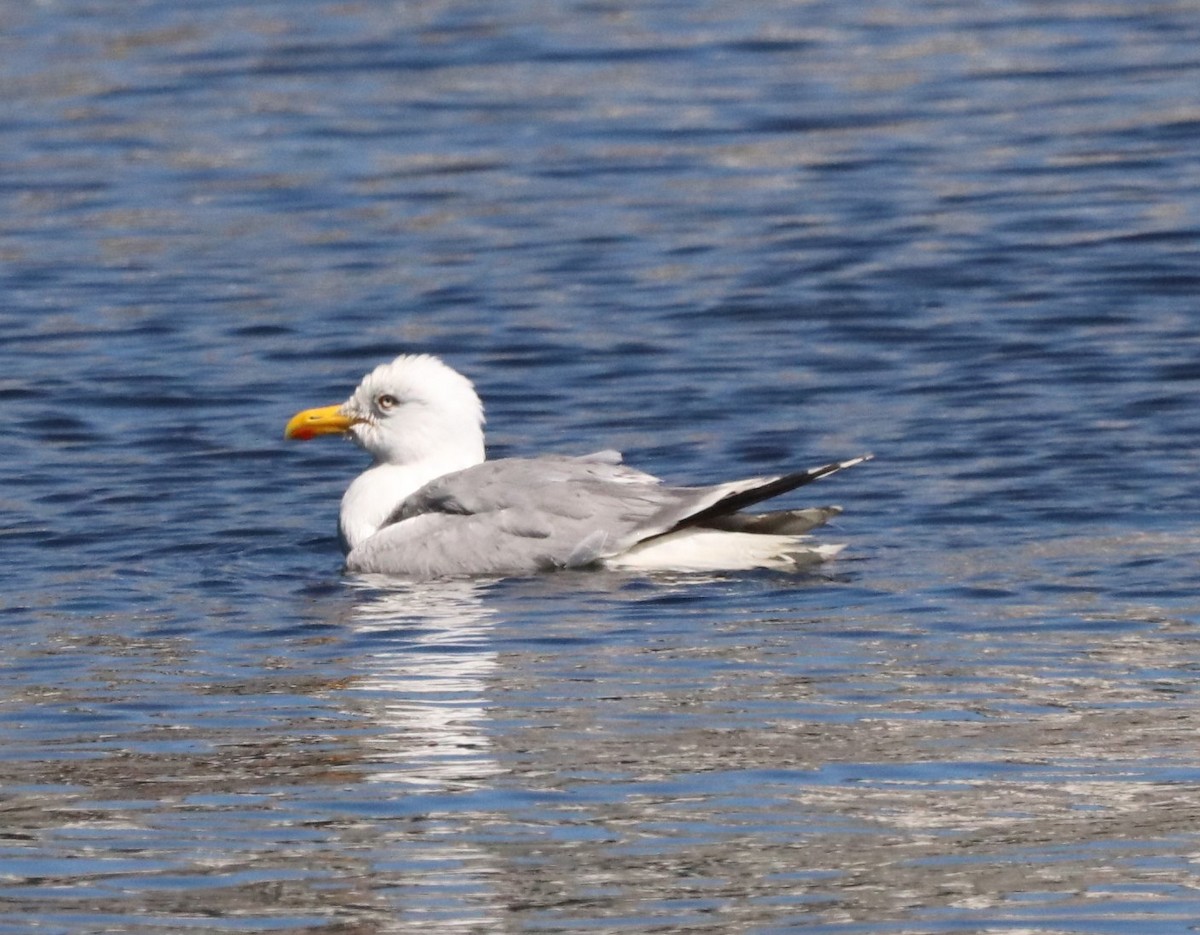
[424, 659]
[425, 680]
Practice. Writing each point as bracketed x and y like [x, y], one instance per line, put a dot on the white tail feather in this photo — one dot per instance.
[694, 549]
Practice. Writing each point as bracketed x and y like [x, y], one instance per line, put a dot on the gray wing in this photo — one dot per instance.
[517, 516]
[522, 515]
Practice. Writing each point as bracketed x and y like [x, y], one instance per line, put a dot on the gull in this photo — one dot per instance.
[431, 506]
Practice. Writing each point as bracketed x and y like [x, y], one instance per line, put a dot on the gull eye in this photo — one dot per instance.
[386, 401]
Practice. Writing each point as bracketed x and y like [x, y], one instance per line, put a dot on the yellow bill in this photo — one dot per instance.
[327, 420]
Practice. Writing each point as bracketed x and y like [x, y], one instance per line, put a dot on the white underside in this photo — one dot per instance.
[714, 550]
[377, 491]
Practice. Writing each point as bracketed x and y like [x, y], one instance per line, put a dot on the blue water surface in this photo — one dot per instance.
[726, 239]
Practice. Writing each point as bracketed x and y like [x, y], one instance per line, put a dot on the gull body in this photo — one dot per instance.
[430, 505]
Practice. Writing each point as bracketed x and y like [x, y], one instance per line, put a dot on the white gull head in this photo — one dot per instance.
[417, 418]
[414, 410]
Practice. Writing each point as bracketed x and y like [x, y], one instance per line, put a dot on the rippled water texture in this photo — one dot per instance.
[726, 238]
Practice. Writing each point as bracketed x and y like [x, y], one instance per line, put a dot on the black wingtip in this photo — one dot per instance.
[801, 478]
[774, 488]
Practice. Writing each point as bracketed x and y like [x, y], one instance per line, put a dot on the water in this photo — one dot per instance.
[724, 238]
